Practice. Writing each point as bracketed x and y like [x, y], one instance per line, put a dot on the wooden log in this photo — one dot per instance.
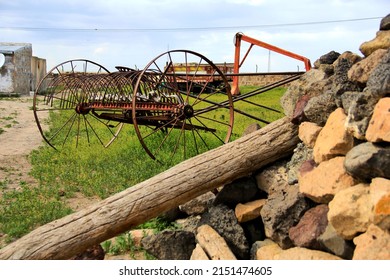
[70, 235]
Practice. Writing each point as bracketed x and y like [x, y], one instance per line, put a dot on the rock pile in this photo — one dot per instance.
[330, 199]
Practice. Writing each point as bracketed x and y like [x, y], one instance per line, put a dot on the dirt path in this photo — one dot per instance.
[19, 135]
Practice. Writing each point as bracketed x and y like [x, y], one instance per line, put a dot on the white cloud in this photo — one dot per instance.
[248, 2]
[100, 50]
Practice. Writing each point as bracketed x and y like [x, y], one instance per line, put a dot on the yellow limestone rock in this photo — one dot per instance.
[213, 244]
[379, 126]
[199, 254]
[374, 244]
[334, 139]
[323, 182]
[308, 133]
[249, 211]
[298, 253]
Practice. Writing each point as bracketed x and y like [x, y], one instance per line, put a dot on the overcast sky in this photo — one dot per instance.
[133, 32]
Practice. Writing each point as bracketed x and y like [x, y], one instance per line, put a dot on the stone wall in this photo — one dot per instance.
[263, 79]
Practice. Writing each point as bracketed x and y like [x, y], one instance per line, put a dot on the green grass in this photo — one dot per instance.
[8, 121]
[22, 211]
[124, 243]
[96, 171]
[269, 99]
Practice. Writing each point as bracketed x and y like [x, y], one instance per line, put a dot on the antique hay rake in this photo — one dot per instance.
[180, 104]
[170, 110]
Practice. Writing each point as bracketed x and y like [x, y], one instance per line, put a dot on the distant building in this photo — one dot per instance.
[20, 72]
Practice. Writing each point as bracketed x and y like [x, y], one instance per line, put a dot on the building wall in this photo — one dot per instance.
[7, 74]
[23, 69]
[15, 74]
[38, 71]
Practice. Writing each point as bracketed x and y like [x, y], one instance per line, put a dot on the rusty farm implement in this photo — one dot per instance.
[181, 104]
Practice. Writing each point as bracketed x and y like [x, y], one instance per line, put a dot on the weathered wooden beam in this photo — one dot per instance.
[70, 235]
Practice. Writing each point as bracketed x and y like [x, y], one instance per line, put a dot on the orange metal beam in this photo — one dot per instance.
[237, 63]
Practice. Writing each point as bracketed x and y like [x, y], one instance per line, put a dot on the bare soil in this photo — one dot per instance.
[19, 136]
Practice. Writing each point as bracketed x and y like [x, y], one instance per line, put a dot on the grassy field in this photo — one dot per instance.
[269, 99]
[95, 171]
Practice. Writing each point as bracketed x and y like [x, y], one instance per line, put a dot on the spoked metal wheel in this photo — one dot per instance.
[183, 106]
[63, 96]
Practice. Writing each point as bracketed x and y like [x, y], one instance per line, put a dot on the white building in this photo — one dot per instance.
[19, 70]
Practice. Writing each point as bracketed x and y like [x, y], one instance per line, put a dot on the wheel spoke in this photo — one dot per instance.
[170, 123]
[210, 119]
[93, 130]
[205, 126]
[201, 137]
[182, 132]
[194, 138]
[57, 132]
[69, 130]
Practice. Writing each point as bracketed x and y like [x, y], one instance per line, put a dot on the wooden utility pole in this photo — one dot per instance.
[73, 234]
